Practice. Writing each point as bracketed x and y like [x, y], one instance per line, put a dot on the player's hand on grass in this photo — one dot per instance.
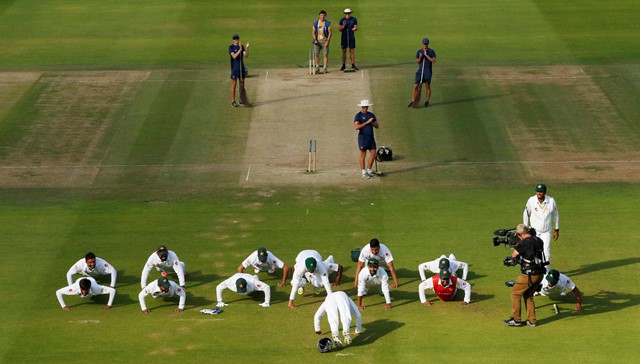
[179, 309]
[387, 306]
[146, 311]
[319, 332]
[66, 308]
[394, 285]
[292, 306]
[463, 303]
[578, 308]
[362, 308]
[427, 303]
[106, 307]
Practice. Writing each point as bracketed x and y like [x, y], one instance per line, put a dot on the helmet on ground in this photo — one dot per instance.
[325, 345]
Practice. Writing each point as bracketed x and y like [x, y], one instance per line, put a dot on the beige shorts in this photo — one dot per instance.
[321, 46]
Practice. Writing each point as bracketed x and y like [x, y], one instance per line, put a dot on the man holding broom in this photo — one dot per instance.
[425, 58]
[238, 53]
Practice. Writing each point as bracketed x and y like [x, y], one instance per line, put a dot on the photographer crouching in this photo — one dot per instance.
[528, 253]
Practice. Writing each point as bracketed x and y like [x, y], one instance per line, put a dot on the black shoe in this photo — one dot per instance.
[342, 68]
[410, 104]
[512, 322]
[531, 324]
[426, 104]
[353, 67]
[234, 104]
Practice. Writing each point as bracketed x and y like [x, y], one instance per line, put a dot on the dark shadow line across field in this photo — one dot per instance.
[375, 330]
[266, 102]
[467, 99]
[601, 302]
[599, 266]
[420, 166]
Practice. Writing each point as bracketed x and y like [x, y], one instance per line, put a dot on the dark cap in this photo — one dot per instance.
[373, 263]
[541, 187]
[444, 274]
[443, 264]
[235, 36]
[425, 40]
[262, 255]
[241, 285]
[164, 282]
[162, 251]
[552, 276]
[310, 263]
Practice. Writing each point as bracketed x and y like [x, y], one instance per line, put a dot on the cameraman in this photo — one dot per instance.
[528, 252]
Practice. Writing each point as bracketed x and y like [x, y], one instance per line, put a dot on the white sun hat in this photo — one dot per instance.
[347, 11]
[364, 103]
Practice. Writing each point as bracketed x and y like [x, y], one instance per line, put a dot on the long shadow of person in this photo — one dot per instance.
[600, 266]
[375, 330]
[601, 302]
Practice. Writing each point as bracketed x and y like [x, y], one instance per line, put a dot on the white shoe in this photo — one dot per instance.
[336, 341]
[347, 338]
[300, 291]
[221, 304]
[324, 69]
[372, 174]
[366, 176]
[264, 304]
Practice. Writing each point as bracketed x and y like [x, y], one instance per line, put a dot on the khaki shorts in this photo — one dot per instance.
[321, 46]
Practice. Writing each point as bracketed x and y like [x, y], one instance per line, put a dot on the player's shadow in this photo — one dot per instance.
[375, 330]
[125, 279]
[198, 301]
[601, 302]
[600, 266]
[467, 99]
[197, 278]
[420, 166]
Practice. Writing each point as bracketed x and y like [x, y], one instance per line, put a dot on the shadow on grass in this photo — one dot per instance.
[125, 279]
[599, 266]
[467, 99]
[375, 330]
[195, 279]
[601, 302]
[421, 166]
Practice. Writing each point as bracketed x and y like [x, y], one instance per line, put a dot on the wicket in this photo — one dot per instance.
[312, 63]
[312, 155]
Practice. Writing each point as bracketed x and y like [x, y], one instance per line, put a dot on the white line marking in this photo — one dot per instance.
[341, 354]
[362, 74]
[85, 322]
[267, 75]
[248, 172]
[202, 320]
[530, 171]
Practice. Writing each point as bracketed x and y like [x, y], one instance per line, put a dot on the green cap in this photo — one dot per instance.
[552, 276]
[310, 263]
[373, 263]
[541, 187]
[444, 274]
[262, 255]
[241, 285]
[164, 282]
[443, 264]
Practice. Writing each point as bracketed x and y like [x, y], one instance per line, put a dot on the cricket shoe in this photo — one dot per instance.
[347, 338]
[366, 176]
[555, 309]
[324, 69]
[234, 104]
[512, 322]
[353, 67]
[410, 104]
[336, 341]
[372, 174]
[342, 68]
[426, 104]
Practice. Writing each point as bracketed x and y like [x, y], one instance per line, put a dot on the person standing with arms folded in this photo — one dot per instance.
[348, 25]
[541, 213]
[364, 122]
[237, 54]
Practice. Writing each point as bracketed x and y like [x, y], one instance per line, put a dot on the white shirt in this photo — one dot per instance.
[96, 289]
[338, 307]
[434, 267]
[253, 284]
[172, 262]
[379, 279]
[300, 269]
[539, 215]
[271, 263]
[154, 290]
[565, 284]
[101, 268]
[384, 254]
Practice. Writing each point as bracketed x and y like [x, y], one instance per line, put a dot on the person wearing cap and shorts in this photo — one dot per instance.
[321, 35]
[162, 287]
[92, 266]
[445, 285]
[164, 260]
[237, 54]
[373, 277]
[263, 260]
[85, 287]
[376, 250]
[243, 283]
[556, 280]
[339, 308]
[451, 264]
[425, 58]
[348, 25]
[541, 213]
[309, 267]
[364, 122]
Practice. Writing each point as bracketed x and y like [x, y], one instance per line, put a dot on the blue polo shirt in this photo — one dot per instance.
[362, 118]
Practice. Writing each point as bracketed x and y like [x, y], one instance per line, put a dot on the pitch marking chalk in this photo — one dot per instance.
[248, 172]
[85, 322]
[201, 320]
[267, 75]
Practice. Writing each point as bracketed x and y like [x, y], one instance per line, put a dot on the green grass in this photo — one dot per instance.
[170, 154]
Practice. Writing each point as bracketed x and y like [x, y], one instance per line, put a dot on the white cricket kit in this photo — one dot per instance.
[96, 289]
[434, 267]
[366, 280]
[565, 284]
[539, 216]
[155, 292]
[384, 255]
[339, 308]
[440, 289]
[172, 262]
[268, 266]
[320, 277]
[101, 268]
[253, 284]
